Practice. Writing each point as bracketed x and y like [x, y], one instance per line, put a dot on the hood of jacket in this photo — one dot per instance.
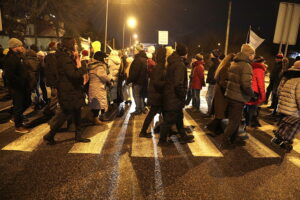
[292, 73]
[141, 54]
[95, 64]
[240, 57]
[115, 59]
[174, 58]
[258, 66]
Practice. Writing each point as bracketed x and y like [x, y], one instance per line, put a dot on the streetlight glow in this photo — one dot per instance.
[131, 22]
[135, 36]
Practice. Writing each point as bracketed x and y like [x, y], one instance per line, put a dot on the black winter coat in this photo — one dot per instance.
[50, 70]
[156, 85]
[138, 70]
[176, 84]
[211, 71]
[32, 66]
[70, 82]
[14, 70]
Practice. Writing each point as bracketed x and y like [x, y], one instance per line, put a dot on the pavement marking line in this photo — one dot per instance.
[294, 160]
[258, 150]
[5, 127]
[29, 141]
[202, 146]
[143, 147]
[97, 140]
[269, 130]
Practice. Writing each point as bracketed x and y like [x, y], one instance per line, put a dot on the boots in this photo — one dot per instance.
[78, 138]
[49, 138]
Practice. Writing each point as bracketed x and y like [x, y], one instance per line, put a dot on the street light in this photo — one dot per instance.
[135, 36]
[131, 23]
[219, 44]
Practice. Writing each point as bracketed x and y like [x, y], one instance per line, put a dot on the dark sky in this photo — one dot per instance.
[192, 21]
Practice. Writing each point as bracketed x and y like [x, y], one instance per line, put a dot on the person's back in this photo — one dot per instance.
[32, 66]
[138, 69]
[51, 73]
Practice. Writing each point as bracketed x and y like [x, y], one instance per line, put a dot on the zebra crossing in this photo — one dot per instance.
[144, 147]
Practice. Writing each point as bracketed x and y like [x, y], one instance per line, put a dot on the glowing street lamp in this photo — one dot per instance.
[219, 44]
[131, 22]
[135, 36]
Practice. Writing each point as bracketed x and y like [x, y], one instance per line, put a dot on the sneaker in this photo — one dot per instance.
[22, 129]
[145, 135]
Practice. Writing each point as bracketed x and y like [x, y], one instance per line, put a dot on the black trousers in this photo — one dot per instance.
[251, 114]
[235, 113]
[52, 105]
[21, 101]
[151, 114]
[269, 89]
[170, 118]
[62, 116]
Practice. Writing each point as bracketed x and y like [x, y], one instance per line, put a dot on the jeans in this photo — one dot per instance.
[21, 101]
[137, 96]
[196, 98]
[209, 97]
[153, 111]
[235, 114]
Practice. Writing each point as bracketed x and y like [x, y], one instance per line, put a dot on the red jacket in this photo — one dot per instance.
[198, 75]
[258, 82]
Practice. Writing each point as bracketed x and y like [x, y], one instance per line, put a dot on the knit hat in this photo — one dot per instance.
[181, 50]
[99, 55]
[279, 56]
[14, 42]
[247, 50]
[199, 57]
[151, 49]
[259, 59]
[96, 46]
[216, 52]
[139, 47]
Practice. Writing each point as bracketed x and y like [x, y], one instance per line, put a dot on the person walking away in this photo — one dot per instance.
[138, 78]
[155, 90]
[174, 97]
[99, 79]
[70, 90]
[114, 64]
[41, 56]
[289, 108]
[258, 86]
[215, 61]
[127, 89]
[197, 81]
[220, 102]
[239, 89]
[17, 83]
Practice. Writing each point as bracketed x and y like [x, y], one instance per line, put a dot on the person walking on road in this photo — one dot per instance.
[197, 81]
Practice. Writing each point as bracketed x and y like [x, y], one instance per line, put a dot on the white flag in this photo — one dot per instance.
[255, 40]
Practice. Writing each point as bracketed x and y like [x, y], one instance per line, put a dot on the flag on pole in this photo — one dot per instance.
[255, 40]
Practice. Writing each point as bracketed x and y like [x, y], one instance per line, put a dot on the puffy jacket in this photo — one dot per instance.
[15, 71]
[289, 93]
[198, 75]
[258, 82]
[176, 84]
[138, 70]
[212, 70]
[239, 86]
[70, 82]
[114, 63]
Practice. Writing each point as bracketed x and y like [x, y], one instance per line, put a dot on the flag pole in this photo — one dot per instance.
[248, 36]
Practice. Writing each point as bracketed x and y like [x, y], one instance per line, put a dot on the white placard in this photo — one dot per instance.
[163, 37]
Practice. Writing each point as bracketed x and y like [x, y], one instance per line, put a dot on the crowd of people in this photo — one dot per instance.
[158, 82]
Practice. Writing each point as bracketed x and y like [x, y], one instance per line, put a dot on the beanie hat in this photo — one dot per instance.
[181, 50]
[14, 42]
[139, 47]
[216, 52]
[279, 56]
[96, 46]
[259, 59]
[247, 50]
[52, 45]
[151, 49]
[85, 52]
[99, 55]
[199, 57]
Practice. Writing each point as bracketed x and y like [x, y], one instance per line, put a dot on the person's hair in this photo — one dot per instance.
[225, 62]
[161, 55]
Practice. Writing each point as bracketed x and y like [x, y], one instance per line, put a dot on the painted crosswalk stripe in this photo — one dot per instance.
[202, 145]
[30, 141]
[295, 160]
[97, 135]
[143, 147]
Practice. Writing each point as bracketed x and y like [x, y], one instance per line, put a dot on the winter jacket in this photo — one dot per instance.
[15, 71]
[212, 70]
[289, 93]
[70, 81]
[50, 70]
[114, 64]
[138, 70]
[239, 86]
[176, 84]
[156, 85]
[258, 82]
[198, 75]
[97, 87]
[32, 66]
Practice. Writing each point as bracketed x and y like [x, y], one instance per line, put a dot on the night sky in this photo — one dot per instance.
[192, 22]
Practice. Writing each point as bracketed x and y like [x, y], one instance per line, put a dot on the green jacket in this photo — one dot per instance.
[239, 86]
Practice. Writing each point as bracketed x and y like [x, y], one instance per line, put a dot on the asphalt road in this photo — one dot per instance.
[117, 164]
